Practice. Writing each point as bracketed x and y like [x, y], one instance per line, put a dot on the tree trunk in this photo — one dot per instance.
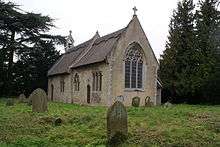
[10, 64]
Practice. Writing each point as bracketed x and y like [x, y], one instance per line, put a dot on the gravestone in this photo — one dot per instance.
[117, 127]
[57, 122]
[119, 98]
[148, 102]
[22, 98]
[136, 102]
[167, 104]
[39, 100]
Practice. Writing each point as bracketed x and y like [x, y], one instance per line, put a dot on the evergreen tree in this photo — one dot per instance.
[207, 22]
[168, 69]
[33, 65]
[179, 60]
[20, 31]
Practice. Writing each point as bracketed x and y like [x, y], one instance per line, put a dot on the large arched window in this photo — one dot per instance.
[134, 67]
[76, 82]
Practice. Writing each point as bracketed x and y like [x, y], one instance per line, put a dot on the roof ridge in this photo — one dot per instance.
[122, 30]
[82, 51]
[96, 37]
[87, 50]
[116, 35]
[100, 37]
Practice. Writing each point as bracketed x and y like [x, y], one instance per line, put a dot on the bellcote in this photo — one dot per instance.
[69, 41]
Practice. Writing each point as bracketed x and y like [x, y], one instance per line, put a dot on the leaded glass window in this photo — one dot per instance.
[76, 82]
[134, 68]
[62, 84]
[97, 81]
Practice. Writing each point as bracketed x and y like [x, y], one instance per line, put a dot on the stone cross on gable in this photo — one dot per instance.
[135, 10]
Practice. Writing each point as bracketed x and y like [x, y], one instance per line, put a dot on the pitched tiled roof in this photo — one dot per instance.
[62, 65]
[92, 51]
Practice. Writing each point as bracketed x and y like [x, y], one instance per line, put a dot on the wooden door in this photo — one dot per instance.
[88, 94]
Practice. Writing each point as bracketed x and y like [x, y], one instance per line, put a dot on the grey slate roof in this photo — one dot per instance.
[91, 51]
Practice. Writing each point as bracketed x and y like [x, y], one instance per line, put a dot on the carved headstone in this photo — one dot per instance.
[148, 101]
[136, 101]
[117, 128]
[39, 100]
[22, 98]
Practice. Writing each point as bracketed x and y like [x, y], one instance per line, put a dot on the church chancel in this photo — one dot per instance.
[97, 71]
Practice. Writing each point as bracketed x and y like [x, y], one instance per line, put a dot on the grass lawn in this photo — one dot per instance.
[180, 125]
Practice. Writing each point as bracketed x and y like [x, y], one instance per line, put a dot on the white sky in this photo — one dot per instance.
[85, 17]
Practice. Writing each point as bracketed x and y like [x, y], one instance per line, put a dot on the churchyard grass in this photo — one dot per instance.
[179, 125]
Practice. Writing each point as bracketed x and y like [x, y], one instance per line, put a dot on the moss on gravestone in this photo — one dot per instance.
[39, 100]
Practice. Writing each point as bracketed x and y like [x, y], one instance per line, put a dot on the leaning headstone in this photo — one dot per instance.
[39, 100]
[22, 98]
[136, 102]
[117, 127]
[9, 102]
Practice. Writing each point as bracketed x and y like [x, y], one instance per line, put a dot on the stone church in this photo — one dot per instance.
[121, 65]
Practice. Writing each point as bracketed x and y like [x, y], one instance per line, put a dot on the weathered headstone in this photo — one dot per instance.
[39, 100]
[117, 127]
[136, 101]
[119, 98]
[167, 104]
[57, 121]
[148, 102]
[22, 98]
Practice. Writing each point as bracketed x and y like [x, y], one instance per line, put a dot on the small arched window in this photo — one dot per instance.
[134, 68]
[76, 82]
[62, 84]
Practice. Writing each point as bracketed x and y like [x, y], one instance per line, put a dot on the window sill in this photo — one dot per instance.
[133, 90]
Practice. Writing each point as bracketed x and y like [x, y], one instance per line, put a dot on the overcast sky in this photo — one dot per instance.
[85, 17]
